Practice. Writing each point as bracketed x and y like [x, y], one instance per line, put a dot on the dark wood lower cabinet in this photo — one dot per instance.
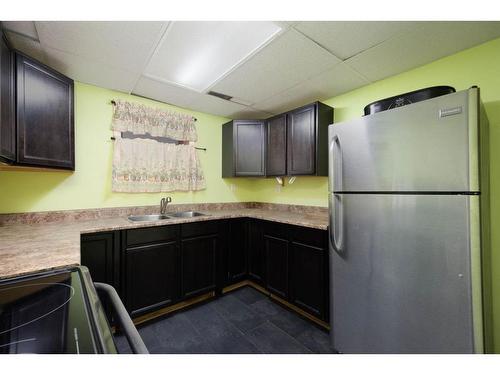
[296, 261]
[256, 252]
[158, 266]
[276, 265]
[100, 255]
[236, 251]
[152, 279]
[198, 265]
[309, 275]
[308, 279]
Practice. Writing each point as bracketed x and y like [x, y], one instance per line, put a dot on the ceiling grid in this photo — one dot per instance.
[267, 67]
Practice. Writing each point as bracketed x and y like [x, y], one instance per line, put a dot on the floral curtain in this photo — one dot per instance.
[154, 164]
[145, 165]
[140, 119]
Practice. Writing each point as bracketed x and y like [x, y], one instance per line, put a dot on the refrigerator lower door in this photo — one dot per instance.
[407, 279]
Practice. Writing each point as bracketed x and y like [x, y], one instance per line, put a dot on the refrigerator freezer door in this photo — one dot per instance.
[403, 281]
[426, 146]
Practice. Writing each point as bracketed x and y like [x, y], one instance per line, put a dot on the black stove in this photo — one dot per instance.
[56, 312]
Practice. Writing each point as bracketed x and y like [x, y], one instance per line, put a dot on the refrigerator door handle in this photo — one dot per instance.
[331, 160]
[336, 221]
[335, 165]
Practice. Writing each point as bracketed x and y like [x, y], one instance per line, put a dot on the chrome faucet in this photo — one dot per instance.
[163, 205]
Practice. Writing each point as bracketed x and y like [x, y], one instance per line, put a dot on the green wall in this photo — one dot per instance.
[90, 185]
[476, 66]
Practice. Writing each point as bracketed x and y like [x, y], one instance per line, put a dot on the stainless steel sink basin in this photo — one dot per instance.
[148, 217]
[186, 214]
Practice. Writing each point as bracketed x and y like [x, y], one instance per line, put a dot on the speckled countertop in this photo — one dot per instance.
[27, 247]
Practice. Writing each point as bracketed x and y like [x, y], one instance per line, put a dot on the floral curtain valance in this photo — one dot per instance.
[145, 165]
[140, 119]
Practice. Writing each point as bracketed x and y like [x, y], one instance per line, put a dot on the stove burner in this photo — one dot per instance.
[3, 290]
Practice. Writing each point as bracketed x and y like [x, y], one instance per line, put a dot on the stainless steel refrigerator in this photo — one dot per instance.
[407, 200]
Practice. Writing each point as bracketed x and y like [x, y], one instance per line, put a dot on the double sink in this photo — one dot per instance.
[167, 216]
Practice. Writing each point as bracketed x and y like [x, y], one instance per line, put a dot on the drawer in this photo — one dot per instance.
[309, 236]
[275, 229]
[201, 228]
[142, 236]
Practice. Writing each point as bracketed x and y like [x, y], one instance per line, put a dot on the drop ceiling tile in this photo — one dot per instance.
[127, 45]
[251, 113]
[296, 96]
[26, 28]
[348, 38]
[338, 80]
[216, 106]
[26, 45]
[429, 42]
[335, 81]
[285, 24]
[288, 60]
[91, 72]
[164, 92]
[196, 54]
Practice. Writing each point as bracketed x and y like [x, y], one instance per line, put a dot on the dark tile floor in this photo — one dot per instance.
[243, 321]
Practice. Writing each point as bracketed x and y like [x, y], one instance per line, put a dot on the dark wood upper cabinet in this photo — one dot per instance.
[7, 105]
[243, 148]
[290, 144]
[307, 138]
[276, 146]
[45, 119]
[301, 141]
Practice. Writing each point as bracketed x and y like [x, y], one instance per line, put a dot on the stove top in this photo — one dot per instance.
[47, 313]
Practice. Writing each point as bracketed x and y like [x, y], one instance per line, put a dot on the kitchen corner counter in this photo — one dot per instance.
[38, 246]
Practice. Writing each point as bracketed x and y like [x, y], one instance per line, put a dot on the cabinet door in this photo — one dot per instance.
[98, 254]
[198, 259]
[237, 251]
[276, 252]
[301, 137]
[7, 104]
[151, 279]
[256, 253]
[249, 146]
[308, 278]
[45, 129]
[276, 146]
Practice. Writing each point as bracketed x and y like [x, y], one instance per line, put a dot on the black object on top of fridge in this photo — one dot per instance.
[407, 98]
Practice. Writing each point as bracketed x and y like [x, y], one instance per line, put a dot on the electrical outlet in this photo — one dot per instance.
[277, 188]
[232, 187]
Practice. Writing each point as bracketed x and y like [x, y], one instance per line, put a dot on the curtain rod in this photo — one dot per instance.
[196, 148]
[114, 103]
